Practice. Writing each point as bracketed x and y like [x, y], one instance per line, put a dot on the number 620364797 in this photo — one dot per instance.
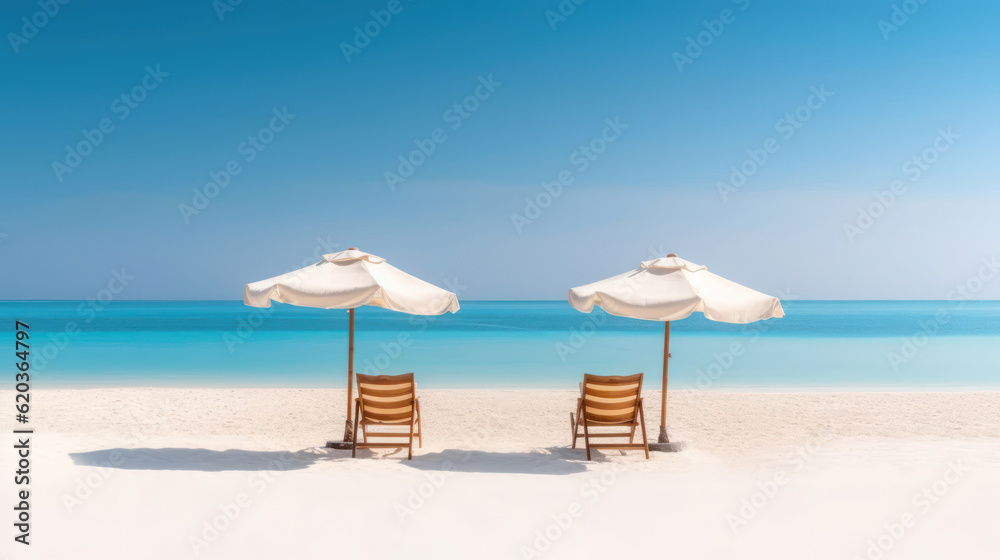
[21, 353]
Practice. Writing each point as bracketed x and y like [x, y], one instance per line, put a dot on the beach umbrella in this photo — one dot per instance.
[668, 289]
[347, 280]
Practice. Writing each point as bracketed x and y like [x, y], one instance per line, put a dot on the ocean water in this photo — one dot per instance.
[817, 345]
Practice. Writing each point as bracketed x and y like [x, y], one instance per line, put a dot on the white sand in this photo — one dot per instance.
[144, 473]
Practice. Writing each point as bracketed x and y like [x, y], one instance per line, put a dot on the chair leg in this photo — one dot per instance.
[576, 422]
[412, 420]
[642, 423]
[357, 421]
[586, 436]
[420, 429]
[631, 436]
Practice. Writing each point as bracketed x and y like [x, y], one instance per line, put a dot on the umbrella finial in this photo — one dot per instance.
[352, 248]
[672, 255]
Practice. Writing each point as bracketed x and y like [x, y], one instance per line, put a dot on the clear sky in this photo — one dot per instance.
[313, 114]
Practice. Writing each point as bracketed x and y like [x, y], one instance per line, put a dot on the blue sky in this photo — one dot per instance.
[926, 87]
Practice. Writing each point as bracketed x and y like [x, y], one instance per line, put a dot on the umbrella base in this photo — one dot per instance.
[348, 442]
[671, 447]
[664, 444]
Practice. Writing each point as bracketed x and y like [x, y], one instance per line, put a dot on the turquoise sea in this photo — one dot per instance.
[819, 344]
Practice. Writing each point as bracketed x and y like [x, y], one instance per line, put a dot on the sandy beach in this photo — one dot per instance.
[205, 473]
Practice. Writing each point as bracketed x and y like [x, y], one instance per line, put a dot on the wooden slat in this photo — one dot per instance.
[612, 379]
[382, 391]
[387, 398]
[626, 417]
[593, 424]
[386, 413]
[385, 379]
[618, 398]
[387, 403]
[604, 405]
[612, 393]
[609, 423]
[594, 413]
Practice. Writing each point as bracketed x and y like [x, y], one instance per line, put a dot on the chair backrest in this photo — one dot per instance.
[611, 398]
[386, 399]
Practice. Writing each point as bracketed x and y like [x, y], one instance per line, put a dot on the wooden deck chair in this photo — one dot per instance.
[610, 402]
[387, 400]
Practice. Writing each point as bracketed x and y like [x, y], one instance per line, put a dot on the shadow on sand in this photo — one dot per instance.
[549, 461]
[553, 460]
[206, 460]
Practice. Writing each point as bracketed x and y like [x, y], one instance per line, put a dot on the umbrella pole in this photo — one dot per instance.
[663, 407]
[348, 429]
[663, 443]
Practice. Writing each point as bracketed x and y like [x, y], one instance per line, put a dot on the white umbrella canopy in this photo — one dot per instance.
[668, 289]
[350, 279]
[671, 288]
[347, 280]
